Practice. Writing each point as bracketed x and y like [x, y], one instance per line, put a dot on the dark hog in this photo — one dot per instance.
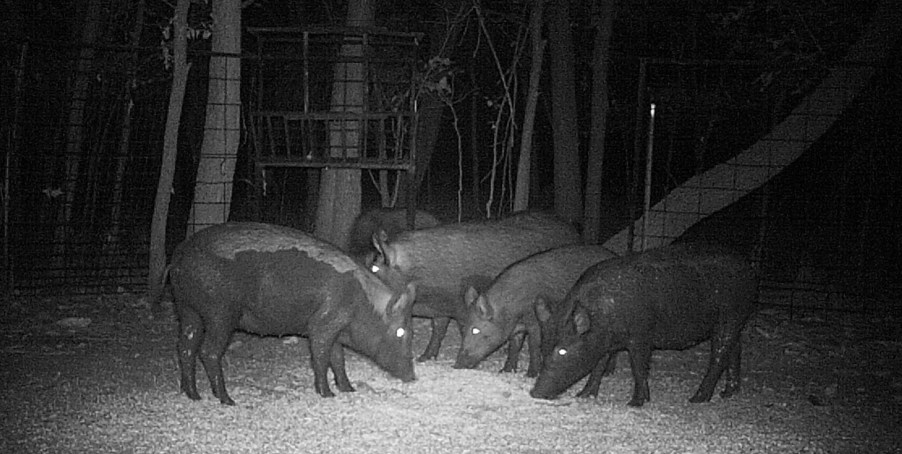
[274, 280]
[445, 260]
[670, 298]
[505, 312]
[390, 220]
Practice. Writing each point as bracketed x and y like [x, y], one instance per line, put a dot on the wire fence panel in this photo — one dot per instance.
[82, 155]
[83, 136]
[824, 229]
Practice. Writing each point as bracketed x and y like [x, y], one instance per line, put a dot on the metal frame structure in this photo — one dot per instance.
[296, 126]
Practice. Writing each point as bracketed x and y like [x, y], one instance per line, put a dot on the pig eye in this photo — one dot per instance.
[400, 332]
[562, 351]
[375, 268]
[475, 331]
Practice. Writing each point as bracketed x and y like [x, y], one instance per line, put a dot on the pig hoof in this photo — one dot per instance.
[696, 399]
[587, 394]
[327, 393]
[636, 403]
[191, 392]
[728, 393]
[425, 357]
[227, 401]
[532, 373]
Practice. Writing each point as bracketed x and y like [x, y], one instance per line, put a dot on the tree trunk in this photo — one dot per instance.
[222, 132]
[724, 184]
[521, 193]
[474, 137]
[567, 188]
[180, 69]
[600, 62]
[340, 192]
[443, 38]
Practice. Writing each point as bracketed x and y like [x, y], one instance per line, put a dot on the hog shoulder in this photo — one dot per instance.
[674, 292]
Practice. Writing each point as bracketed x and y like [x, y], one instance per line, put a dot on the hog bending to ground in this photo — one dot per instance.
[390, 220]
[505, 311]
[444, 260]
[274, 280]
[669, 298]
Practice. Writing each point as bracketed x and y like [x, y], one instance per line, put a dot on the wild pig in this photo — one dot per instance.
[445, 260]
[669, 298]
[505, 311]
[273, 280]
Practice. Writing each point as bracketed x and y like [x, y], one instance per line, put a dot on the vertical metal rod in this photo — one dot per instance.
[637, 153]
[306, 59]
[649, 153]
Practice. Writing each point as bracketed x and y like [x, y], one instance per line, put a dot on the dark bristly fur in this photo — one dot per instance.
[669, 298]
[274, 280]
[392, 221]
[444, 260]
[505, 311]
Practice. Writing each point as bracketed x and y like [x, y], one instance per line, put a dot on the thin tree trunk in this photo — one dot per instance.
[600, 62]
[222, 133]
[180, 69]
[474, 139]
[521, 193]
[340, 192]
[567, 175]
[443, 40]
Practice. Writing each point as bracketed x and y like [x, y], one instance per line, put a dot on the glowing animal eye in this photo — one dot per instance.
[400, 332]
[562, 351]
[475, 331]
[375, 268]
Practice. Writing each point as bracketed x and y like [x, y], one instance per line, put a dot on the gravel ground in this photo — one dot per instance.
[98, 375]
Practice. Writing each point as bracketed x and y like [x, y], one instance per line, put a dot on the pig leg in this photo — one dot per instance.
[338, 369]
[733, 371]
[191, 334]
[604, 368]
[534, 339]
[439, 329]
[216, 340]
[514, 345]
[721, 354]
[323, 338]
[640, 357]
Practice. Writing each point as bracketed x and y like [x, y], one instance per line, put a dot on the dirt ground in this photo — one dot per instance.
[97, 374]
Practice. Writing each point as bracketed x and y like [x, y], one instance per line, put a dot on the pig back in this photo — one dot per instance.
[548, 274]
[389, 220]
[441, 258]
[275, 278]
[682, 293]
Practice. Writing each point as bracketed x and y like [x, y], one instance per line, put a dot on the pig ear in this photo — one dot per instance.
[476, 303]
[470, 296]
[380, 242]
[581, 319]
[542, 312]
[484, 308]
[405, 299]
[411, 291]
